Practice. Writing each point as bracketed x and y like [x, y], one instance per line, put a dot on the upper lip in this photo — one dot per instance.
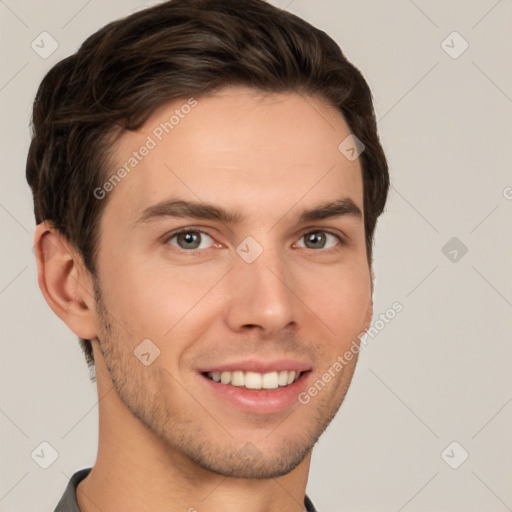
[259, 366]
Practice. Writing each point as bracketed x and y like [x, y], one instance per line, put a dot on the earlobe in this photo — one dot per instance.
[65, 285]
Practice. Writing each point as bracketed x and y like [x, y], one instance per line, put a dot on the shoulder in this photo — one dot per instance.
[68, 501]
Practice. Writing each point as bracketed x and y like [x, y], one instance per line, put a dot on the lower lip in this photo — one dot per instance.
[259, 401]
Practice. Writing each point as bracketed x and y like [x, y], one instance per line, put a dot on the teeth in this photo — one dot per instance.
[237, 378]
[269, 380]
[282, 379]
[254, 380]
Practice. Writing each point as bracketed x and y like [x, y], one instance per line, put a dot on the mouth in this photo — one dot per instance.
[255, 380]
[257, 392]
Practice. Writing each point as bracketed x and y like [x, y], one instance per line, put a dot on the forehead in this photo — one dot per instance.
[241, 148]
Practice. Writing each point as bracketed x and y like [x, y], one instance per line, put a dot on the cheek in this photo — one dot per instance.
[341, 298]
[157, 301]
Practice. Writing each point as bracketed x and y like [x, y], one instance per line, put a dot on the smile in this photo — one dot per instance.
[255, 380]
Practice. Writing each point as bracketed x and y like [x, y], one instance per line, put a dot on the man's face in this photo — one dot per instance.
[269, 294]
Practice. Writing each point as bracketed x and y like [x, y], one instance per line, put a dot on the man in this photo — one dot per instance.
[207, 178]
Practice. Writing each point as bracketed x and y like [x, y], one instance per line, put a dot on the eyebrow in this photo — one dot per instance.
[200, 210]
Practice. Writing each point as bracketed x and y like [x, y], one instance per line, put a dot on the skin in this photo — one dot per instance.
[268, 156]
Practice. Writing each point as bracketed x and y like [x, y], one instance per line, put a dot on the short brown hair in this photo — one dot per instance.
[178, 49]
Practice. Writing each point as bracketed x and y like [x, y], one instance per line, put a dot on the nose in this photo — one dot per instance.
[262, 295]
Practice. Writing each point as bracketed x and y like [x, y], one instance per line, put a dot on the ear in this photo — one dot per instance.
[369, 316]
[65, 283]
[369, 311]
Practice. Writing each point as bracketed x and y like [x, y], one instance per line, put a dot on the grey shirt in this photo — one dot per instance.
[68, 501]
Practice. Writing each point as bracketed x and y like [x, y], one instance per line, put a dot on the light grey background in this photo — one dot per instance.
[438, 372]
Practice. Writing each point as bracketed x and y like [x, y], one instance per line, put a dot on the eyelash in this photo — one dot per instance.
[177, 232]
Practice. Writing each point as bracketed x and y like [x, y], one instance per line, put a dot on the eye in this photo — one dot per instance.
[318, 239]
[188, 239]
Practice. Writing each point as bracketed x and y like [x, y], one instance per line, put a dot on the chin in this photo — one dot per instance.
[252, 463]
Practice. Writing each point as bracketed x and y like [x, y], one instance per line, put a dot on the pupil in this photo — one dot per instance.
[189, 238]
[314, 237]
